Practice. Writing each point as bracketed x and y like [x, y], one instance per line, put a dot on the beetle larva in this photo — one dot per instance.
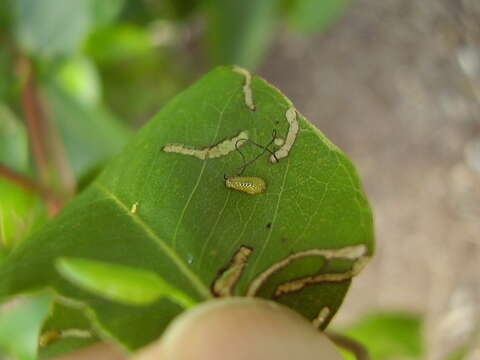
[247, 184]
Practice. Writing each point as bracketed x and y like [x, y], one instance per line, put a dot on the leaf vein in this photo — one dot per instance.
[170, 252]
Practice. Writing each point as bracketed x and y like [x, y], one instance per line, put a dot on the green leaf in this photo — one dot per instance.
[79, 78]
[312, 16]
[104, 12]
[10, 84]
[50, 28]
[119, 283]
[240, 32]
[20, 211]
[389, 335]
[179, 9]
[20, 325]
[460, 353]
[119, 43]
[172, 214]
[91, 134]
[13, 141]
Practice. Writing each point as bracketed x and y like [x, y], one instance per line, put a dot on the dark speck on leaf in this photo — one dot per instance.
[269, 225]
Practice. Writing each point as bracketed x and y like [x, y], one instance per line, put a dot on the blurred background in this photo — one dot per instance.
[394, 83]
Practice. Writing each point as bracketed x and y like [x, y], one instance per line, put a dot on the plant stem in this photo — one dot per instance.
[48, 150]
[29, 184]
[35, 118]
[349, 344]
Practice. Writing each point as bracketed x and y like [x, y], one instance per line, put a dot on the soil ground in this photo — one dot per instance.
[396, 84]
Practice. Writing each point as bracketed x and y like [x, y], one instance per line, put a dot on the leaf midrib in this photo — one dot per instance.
[170, 252]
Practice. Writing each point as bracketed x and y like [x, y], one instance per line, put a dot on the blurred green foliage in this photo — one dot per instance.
[389, 335]
[311, 16]
[102, 68]
[20, 325]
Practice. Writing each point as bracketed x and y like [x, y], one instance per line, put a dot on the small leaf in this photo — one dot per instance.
[120, 283]
[50, 28]
[20, 211]
[92, 134]
[78, 77]
[20, 325]
[104, 12]
[119, 43]
[240, 32]
[13, 140]
[312, 16]
[389, 335]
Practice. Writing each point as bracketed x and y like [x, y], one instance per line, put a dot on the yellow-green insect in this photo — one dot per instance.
[248, 184]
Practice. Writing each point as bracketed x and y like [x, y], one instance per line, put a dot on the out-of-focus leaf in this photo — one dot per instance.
[459, 354]
[13, 141]
[5, 14]
[120, 283]
[20, 325]
[119, 43]
[389, 335]
[9, 83]
[240, 32]
[20, 211]
[172, 214]
[105, 11]
[50, 28]
[160, 74]
[90, 134]
[312, 16]
[180, 9]
[79, 78]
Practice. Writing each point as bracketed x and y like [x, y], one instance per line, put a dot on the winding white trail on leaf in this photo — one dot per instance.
[291, 115]
[247, 87]
[209, 152]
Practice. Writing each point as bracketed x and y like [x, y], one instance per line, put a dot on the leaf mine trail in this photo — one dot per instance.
[293, 129]
[209, 152]
[247, 87]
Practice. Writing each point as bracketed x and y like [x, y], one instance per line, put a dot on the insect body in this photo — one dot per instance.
[247, 184]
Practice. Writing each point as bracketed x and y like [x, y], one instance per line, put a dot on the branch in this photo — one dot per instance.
[48, 150]
[35, 118]
[29, 184]
[349, 344]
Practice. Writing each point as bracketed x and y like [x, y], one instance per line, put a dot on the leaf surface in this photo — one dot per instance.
[48, 28]
[20, 211]
[171, 213]
[20, 325]
[121, 283]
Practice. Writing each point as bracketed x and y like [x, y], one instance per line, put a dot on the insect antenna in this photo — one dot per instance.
[248, 163]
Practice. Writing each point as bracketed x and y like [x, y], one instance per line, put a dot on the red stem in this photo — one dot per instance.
[35, 119]
[29, 184]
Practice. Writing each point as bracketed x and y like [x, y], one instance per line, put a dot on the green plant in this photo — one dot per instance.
[160, 209]
[146, 233]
